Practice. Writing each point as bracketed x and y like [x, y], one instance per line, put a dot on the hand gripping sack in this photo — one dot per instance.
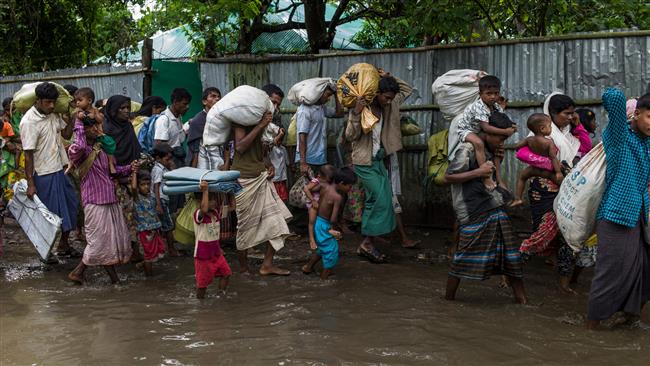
[361, 80]
[245, 106]
[26, 97]
[455, 90]
[309, 91]
[579, 197]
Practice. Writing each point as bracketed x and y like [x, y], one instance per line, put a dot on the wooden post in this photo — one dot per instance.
[147, 56]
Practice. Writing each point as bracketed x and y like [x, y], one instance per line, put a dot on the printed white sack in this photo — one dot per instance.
[579, 197]
[244, 105]
[309, 91]
[455, 90]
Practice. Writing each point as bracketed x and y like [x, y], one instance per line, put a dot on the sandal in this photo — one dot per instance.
[373, 255]
[68, 253]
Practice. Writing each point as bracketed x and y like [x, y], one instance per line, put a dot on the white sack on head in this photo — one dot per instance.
[309, 91]
[244, 105]
[455, 90]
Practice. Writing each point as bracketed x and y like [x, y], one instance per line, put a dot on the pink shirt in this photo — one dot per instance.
[97, 188]
[526, 155]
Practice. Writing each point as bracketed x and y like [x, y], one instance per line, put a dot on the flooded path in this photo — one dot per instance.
[390, 314]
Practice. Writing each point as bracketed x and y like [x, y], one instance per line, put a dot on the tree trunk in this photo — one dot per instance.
[317, 34]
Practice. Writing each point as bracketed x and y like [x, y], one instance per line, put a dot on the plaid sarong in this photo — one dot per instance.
[486, 247]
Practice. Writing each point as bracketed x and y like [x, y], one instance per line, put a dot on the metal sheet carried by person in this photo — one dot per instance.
[455, 90]
[244, 105]
[580, 194]
[25, 98]
[310, 91]
[361, 80]
[41, 226]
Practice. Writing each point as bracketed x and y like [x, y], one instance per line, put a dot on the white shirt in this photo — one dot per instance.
[42, 134]
[169, 128]
[157, 173]
[376, 136]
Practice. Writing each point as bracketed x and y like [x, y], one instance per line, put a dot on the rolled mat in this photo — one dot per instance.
[187, 174]
[190, 187]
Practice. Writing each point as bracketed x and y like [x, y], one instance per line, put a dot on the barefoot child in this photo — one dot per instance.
[312, 192]
[147, 222]
[542, 145]
[163, 155]
[475, 118]
[331, 199]
[209, 261]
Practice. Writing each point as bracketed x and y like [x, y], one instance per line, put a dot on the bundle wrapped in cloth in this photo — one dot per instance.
[186, 180]
[26, 97]
[361, 80]
[245, 106]
[455, 90]
[310, 91]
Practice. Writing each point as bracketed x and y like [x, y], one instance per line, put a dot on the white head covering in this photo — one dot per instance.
[563, 139]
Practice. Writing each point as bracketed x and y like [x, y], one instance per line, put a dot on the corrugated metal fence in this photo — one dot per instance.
[105, 80]
[529, 70]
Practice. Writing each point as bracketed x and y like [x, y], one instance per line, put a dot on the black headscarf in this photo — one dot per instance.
[127, 147]
[148, 103]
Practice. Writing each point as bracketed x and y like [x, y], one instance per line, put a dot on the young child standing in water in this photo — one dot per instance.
[209, 261]
[312, 192]
[147, 223]
[163, 155]
[541, 144]
[331, 198]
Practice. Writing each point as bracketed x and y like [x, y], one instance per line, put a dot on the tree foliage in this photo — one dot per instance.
[50, 34]
[452, 21]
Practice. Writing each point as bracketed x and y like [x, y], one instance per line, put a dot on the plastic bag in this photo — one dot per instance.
[309, 91]
[361, 80]
[292, 132]
[455, 90]
[297, 196]
[409, 127]
[437, 157]
[579, 197]
[245, 106]
[26, 97]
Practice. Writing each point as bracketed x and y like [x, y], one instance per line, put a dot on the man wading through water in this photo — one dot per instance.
[45, 160]
[261, 214]
[368, 153]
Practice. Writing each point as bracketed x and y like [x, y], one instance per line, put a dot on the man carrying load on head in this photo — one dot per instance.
[369, 148]
[42, 131]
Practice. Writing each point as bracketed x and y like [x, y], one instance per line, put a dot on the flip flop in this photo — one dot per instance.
[373, 255]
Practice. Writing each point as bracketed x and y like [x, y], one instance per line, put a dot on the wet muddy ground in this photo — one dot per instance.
[367, 314]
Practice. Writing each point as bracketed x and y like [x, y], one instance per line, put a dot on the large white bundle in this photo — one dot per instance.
[245, 106]
[309, 91]
[579, 197]
[41, 226]
[455, 90]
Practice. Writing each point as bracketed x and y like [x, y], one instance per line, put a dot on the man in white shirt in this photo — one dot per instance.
[41, 132]
[169, 130]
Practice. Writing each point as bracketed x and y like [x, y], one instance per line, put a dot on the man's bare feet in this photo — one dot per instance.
[273, 270]
[410, 244]
[307, 270]
[74, 277]
[517, 202]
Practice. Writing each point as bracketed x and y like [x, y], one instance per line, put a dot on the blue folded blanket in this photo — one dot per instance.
[187, 174]
[226, 187]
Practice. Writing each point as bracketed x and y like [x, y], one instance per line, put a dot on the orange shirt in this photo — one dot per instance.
[7, 130]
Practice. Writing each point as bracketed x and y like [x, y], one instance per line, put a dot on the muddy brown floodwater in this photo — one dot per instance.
[389, 314]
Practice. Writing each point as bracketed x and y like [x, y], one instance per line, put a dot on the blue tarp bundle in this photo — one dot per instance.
[186, 180]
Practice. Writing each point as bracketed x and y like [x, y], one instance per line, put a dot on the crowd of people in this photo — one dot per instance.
[101, 168]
